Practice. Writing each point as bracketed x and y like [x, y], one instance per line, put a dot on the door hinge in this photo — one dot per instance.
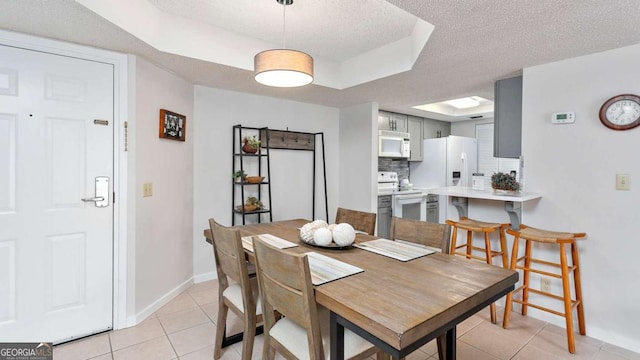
[126, 136]
[114, 198]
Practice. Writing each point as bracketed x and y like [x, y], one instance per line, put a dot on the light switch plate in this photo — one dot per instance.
[622, 182]
[147, 189]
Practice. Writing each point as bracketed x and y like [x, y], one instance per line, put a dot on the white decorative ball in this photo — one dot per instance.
[344, 234]
[322, 237]
[331, 227]
[317, 224]
[306, 233]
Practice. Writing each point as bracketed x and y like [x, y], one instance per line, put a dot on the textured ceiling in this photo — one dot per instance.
[475, 42]
[346, 30]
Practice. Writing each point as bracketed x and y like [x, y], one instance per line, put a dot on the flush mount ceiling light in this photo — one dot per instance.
[463, 103]
[283, 67]
[457, 108]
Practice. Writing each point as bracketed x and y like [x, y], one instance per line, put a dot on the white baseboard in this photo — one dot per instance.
[205, 277]
[153, 307]
[620, 340]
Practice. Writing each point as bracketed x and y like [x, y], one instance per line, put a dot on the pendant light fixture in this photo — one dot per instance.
[283, 67]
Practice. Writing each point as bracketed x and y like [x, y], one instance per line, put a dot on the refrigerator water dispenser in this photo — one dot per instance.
[456, 178]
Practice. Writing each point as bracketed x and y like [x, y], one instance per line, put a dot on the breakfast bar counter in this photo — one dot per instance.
[512, 200]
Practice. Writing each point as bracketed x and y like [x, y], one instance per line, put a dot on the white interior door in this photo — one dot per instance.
[56, 251]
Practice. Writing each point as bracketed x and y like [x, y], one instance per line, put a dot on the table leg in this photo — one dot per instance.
[450, 344]
[336, 337]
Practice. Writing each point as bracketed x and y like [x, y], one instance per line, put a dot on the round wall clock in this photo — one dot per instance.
[621, 112]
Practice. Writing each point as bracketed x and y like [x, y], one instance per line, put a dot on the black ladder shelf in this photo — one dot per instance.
[280, 140]
[257, 162]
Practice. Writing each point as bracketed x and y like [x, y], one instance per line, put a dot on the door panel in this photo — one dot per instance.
[66, 168]
[7, 162]
[7, 280]
[57, 281]
[66, 286]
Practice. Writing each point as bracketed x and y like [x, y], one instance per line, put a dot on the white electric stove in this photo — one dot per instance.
[405, 203]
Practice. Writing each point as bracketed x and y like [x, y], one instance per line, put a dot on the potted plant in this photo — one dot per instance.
[251, 144]
[505, 182]
[239, 176]
[252, 204]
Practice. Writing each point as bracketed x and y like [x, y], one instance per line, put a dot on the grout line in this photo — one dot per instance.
[480, 350]
[530, 339]
[168, 338]
[110, 346]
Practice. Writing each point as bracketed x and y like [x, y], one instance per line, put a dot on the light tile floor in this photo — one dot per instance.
[185, 327]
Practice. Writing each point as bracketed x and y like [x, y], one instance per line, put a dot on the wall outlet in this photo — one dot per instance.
[622, 181]
[545, 284]
[147, 189]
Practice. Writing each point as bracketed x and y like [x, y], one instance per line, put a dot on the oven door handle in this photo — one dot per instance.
[411, 196]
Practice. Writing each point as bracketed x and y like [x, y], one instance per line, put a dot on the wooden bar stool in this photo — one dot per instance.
[486, 228]
[561, 239]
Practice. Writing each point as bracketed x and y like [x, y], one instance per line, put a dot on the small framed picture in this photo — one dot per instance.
[172, 125]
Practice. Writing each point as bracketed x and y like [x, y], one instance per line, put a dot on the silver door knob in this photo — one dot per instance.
[93, 199]
[101, 195]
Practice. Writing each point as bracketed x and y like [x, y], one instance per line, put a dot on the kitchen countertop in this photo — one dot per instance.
[488, 194]
[460, 195]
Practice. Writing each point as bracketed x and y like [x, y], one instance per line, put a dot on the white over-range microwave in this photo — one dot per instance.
[393, 144]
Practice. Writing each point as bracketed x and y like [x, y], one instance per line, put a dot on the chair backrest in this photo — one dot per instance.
[230, 261]
[360, 220]
[285, 285]
[421, 232]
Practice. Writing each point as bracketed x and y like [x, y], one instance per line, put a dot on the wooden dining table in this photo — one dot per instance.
[397, 306]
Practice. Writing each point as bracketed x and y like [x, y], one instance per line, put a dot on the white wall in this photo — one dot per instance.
[574, 167]
[358, 157]
[215, 113]
[164, 221]
[468, 127]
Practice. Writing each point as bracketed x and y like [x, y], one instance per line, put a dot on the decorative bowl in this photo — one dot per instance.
[247, 208]
[254, 179]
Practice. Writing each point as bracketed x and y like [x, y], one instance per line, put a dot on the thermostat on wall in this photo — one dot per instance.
[563, 118]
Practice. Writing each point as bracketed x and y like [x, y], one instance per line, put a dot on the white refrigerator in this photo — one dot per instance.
[447, 161]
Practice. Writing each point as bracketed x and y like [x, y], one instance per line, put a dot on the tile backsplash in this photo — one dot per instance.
[401, 166]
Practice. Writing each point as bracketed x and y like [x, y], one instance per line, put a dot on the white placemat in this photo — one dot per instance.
[272, 240]
[418, 245]
[394, 249]
[325, 269]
